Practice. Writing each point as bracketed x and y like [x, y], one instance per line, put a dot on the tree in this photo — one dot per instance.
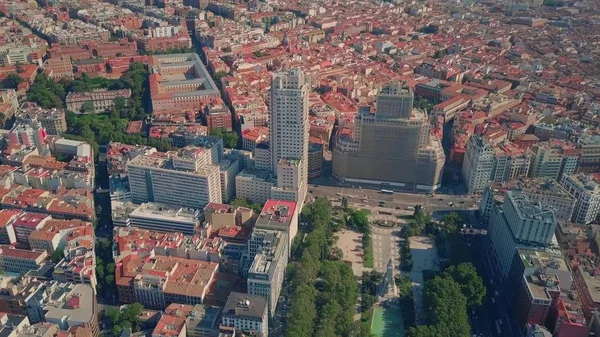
[470, 283]
[19, 69]
[47, 93]
[220, 74]
[113, 316]
[336, 253]
[57, 256]
[370, 281]
[132, 313]
[360, 220]
[344, 203]
[446, 307]
[439, 54]
[12, 81]
[452, 222]
[404, 286]
[230, 139]
[87, 107]
[244, 202]
[120, 103]
[423, 331]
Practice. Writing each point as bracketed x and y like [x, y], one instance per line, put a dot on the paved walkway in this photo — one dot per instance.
[350, 242]
[424, 257]
[385, 247]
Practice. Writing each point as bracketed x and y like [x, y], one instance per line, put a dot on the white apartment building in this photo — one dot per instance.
[186, 179]
[20, 260]
[530, 221]
[229, 169]
[477, 164]
[262, 156]
[255, 185]
[546, 191]
[165, 218]
[552, 160]
[586, 190]
[289, 124]
[246, 313]
[267, 271]
[516, 223]
[101, 99]
[509, 165]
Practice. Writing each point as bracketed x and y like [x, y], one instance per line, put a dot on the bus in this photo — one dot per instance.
[498, 329]
[387, 192]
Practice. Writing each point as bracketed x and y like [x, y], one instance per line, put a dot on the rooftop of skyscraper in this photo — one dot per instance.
[529, 209]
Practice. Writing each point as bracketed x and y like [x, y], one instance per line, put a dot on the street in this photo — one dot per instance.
[373, 199]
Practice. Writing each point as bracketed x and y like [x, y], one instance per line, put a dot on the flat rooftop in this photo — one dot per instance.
[173, 70]
[277, 212]
[164, 212]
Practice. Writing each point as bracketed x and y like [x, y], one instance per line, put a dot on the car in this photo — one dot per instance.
[398, 208]
[440, 199]
[310, 191]
[461, 202]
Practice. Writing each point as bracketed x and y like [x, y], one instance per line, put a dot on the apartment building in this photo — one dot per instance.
[518, 222]
[53, 120]
[202, 321]
[289, 131]
[158, 281]
[255, 185]
[27, 223]
[246, 313]
[20, 260]
[268, 250]
[173, 321]
[590, 153]
[553, 159]
[27, 135]
[77, 266]
[395, 136]
[280, 215]
[8, 235]
[76, 307]
[9, 104]
[57, 234]
[549, 192]
[315, 160]
[543, 190]
[101, 99]
[185, 178]
[229, 168]
[180, 81]
[59, 68]
[478, 164]
[165, 218]
[586, 190]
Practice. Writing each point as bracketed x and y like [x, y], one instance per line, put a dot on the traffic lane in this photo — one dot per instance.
[372, 193]
[498, 307]
[429, 203]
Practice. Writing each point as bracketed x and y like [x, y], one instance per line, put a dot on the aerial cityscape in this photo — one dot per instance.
[374, 168]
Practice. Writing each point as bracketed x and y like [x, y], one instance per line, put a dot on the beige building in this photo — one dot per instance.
[53, 120]
[101, 99]
[385, 141]
[185, 178]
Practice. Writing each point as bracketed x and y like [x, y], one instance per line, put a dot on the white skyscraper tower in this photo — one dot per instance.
[289, 134]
